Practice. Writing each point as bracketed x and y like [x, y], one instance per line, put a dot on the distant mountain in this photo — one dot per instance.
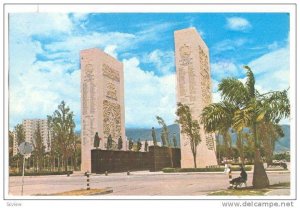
[146, 134]
[283, 144]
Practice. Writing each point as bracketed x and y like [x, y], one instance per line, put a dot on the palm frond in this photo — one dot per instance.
[244, 117]
[218, 116]
[233, 91]
[276, 105]
[250, 83]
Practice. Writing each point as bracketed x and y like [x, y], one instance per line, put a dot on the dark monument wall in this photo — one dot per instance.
[121, 161]
[161, 157]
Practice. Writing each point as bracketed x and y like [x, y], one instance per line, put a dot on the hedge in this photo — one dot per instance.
[41, 173]
[212, 169]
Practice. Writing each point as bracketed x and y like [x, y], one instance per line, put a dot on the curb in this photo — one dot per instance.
[108, 191]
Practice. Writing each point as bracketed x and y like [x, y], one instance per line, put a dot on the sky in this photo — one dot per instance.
[44, 66]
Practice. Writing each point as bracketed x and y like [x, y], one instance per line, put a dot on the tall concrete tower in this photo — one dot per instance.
[194, 89]
[102, 101]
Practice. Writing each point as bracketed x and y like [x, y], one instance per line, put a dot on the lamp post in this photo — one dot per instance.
[25, 149]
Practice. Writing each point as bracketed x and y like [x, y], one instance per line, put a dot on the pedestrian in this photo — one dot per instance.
[228, 171]
[241, 179]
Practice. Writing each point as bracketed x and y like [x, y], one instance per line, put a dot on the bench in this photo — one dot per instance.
[239, 182]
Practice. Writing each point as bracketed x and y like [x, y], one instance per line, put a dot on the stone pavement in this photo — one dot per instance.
[141, 183]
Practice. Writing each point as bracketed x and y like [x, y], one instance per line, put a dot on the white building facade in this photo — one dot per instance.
[30, 127]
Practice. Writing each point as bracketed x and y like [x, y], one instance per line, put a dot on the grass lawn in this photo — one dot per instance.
[248, 191]
[276, 169]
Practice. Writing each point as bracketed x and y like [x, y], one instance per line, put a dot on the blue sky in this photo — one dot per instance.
[44, 57]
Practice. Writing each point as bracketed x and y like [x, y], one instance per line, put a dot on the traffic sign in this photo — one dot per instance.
[25, 148]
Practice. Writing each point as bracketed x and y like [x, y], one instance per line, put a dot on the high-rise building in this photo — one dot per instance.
[194, 90]
[102, 101]
[30, 127]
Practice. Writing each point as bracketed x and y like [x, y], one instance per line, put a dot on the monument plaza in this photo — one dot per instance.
[102, 97]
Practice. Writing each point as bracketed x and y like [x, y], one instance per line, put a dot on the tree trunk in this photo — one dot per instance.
[242, 155]
[58, 164]
[74, 162]
[66, 163]
[240, 145]
[18, 165]
[195, 163]
[260, 177]
[226, 145]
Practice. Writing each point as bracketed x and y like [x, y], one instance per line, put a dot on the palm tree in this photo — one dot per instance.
[217, 117]
[250, 109]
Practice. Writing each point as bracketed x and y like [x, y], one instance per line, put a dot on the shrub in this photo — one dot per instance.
[210, 169]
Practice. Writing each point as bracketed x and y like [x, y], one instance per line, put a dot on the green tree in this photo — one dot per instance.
[10, 144]
[76, 151]
[39, 148]
[189, 127]
[250, 109]
[62, 125]
[154, 137]
[164, 131]
[20, 137]
[130, 145]
[269, 133]
[20, 133]
[240, 146]
[138, 145]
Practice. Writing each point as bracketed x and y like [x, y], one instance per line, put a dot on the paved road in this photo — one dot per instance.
[137, 183]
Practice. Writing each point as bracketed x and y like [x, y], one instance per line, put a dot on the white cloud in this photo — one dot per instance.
[111, 50]
[153, 30]
[216, 97]
[77, 43]
[273, 46]
[192, 24]
[238, 24]
[272, 70]
[223, 69]
[80, 16]
[147, 95]
[38, 93]
[37, 86]
[39, 23]
[228, 45]
[215, 84]
[163, 61]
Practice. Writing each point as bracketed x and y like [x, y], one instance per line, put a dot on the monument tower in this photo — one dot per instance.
[102, 101]
[194, 89]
